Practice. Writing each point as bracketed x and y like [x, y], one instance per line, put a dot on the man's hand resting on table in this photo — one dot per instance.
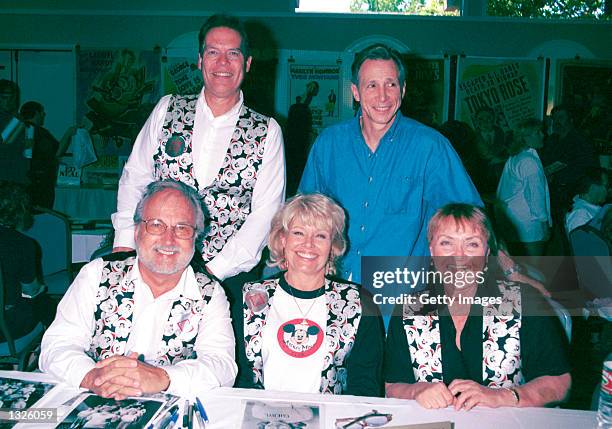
[121, 376]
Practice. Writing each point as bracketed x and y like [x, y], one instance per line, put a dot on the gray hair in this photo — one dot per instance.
[187, 191]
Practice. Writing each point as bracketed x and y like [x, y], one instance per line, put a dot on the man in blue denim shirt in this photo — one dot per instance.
[389, 172]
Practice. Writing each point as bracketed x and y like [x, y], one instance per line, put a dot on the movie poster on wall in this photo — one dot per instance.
[317, 88]
[426, 97]
[181, 75]
[586, 86]
[513, 88]
[116, 91]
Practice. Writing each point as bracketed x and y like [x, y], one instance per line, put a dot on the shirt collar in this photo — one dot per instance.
[389, 134]
[229, 115]
[186, 286]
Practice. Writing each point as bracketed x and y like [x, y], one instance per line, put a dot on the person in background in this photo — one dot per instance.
[133, 324]
[491, 148]
[523, 210]
[567, 156]
[389, 172]
[14, 165]
[496, 344]
[231, 155]
[44, 151]
[587, 204]
[304, 330]
[25, 301]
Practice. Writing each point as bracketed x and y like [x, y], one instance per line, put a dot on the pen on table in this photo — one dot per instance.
[186, 414]
[201, 410]
[164, 419]
[190, 421]
[199, 417]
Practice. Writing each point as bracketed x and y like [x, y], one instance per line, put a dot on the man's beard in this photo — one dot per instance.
[181, 263]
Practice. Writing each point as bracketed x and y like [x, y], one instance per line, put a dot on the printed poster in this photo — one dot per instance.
[427, 82]
[116, 91]
[586, 85]
[513, 88]
[181, 76]
[316, 87]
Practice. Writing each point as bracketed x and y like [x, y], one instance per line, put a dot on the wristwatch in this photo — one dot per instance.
[514, 394]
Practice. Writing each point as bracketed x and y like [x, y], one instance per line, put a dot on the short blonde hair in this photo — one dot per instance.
[313, 209]
[463, 215]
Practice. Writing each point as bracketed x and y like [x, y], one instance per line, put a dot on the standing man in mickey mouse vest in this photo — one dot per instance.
[232, 155]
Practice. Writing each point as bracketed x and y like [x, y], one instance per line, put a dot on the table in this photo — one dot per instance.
[85, 242]
[86, 202]
[225, 408]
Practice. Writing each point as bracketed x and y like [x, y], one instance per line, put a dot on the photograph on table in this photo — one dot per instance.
[18, 394]
[97, 412]
[266, 415]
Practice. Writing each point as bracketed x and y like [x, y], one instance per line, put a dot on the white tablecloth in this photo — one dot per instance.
[85, 242]
[86, 203]
[225, 408]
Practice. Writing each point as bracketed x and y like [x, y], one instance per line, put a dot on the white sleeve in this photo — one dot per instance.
[69, 336]
[137, 174]
[243, 250]
[576, 218]
[215, 363]
[535, 191]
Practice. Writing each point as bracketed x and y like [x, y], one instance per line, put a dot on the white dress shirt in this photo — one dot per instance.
[69, 336]
[523, 192]
[210, 141]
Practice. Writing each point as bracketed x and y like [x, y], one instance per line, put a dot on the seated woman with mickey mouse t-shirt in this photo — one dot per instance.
[303, 330]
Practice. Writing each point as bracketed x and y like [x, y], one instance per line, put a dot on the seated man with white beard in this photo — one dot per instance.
[132, 324]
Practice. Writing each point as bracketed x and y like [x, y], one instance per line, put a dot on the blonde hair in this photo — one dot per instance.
[311, 209]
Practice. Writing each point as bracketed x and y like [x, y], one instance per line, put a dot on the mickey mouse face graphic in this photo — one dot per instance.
[300, 338]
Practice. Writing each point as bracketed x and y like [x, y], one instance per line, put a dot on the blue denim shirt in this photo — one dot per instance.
[390, 194]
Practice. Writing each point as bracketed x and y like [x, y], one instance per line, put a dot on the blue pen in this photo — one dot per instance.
[199, 418]
[201, 410]
[169, 417]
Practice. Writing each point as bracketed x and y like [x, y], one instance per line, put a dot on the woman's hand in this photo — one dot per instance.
[468, 394]
[434, 395]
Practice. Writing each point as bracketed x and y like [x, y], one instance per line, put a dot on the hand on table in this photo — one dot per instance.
[468, 394]
[121, 376]
[435, 395]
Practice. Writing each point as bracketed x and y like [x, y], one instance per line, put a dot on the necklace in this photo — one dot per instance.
[298, 305]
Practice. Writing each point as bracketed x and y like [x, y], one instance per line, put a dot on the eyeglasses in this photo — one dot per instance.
[183, 231]
[369, 420]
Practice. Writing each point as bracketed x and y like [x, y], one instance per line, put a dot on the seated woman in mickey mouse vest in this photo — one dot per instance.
[303, 330]
[470, 339]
